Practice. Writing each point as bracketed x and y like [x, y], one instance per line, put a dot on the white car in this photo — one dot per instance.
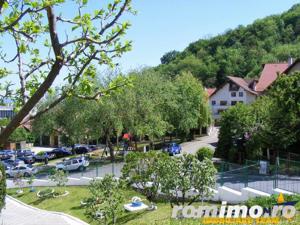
[80, 164]
[22, 170]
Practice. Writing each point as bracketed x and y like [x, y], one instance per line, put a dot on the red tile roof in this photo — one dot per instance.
[269, 75]
[210, 91]
[242, 83]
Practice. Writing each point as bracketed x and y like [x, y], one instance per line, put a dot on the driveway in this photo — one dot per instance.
[17, 213]
[191, 147]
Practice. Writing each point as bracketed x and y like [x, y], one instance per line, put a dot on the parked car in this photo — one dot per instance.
[22, 153]
[172, 148]
[61, 152]
[41, 156]
[82, 149]
[80, 163]
[93, 147]
[27, 159]
[23, 170]
[4, 155]
[10, 152]
[14, 162]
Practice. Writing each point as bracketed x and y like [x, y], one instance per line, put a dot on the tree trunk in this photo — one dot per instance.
[111, 148]
[31, 103]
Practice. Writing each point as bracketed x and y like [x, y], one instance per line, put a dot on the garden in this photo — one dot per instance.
[108, 200]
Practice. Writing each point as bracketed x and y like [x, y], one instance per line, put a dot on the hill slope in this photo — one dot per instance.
[239, 52]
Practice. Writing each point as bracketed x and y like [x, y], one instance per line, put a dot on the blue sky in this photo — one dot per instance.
[164, 25]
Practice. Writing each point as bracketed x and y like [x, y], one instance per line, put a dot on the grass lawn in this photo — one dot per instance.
[71, 205]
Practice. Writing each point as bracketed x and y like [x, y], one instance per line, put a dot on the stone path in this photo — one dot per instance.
[18, 213]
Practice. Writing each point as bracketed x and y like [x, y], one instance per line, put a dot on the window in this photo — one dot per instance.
[223, 102]
[233, 94]
[74, 161]
[213, 102]
[233, 102]
[233, 87]
[241, 94]
[241, 102]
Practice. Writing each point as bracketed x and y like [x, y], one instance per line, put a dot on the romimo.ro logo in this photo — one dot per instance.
[234, 213]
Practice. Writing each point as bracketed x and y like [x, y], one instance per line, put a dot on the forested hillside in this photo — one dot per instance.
[239, 52]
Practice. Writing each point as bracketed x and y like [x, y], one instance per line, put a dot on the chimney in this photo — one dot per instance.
[290, 61]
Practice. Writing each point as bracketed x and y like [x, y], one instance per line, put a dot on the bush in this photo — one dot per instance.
[2, 186]
[205, 152]
[269, 202]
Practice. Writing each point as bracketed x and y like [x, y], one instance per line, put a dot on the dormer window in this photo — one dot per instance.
[233, 87]
[233, 94]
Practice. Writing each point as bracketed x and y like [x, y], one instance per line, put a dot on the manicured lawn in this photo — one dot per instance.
[71, 205]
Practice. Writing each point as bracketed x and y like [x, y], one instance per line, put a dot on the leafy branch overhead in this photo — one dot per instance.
[48, 45]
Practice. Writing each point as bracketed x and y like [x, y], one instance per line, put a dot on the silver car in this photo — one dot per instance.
[22, 170]
[80, 164]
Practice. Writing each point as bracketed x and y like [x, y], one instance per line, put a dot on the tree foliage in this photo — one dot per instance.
[174, 176]
[184, 175]
[240, 51]
[141, 169]
[272, 122]
[48, 44]
[104, 204]
[152, 106]
[2, 186]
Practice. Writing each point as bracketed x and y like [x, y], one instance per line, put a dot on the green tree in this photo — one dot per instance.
[72, 50]
[169, 56]
[104, 205]
[181, 175]
[192, 107]
[272, 39]
[60, 178]
[140, 169]
[2, 186]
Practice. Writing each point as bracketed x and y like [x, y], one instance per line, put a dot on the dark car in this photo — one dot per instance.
[13, 162]
[41, 156]
[172, 148]
[27, 159]
[93, 147]
[60, 152]
[4, 155]
[82, 149]
[22, 153]
[25, 155]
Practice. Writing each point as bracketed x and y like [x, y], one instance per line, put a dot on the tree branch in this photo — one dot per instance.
[53, 34]
[122, 9]
[36, 68]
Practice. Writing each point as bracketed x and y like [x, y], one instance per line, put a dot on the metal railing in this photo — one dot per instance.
[284, 174]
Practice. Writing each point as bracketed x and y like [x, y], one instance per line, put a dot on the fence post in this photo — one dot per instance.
[246, 174]
[275, 182]
[222, 171]
[97, 172]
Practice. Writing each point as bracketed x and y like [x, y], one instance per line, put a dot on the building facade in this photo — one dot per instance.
[6, 112]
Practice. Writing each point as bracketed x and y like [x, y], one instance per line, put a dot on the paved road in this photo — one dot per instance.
[16, 213]
[206, 141]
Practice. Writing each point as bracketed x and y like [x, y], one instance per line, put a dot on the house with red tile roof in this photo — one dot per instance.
[269, 74]
[241, 90]
[236, 90]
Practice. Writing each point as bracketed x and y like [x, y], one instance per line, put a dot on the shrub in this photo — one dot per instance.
[269, 202]
[2, 186]
[205, 152]
[104, 205]
[60, 178]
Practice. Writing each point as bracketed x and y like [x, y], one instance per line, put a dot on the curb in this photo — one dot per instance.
[72, 218]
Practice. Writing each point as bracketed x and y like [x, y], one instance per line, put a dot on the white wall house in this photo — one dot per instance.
[245, 91]
[228, 95]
